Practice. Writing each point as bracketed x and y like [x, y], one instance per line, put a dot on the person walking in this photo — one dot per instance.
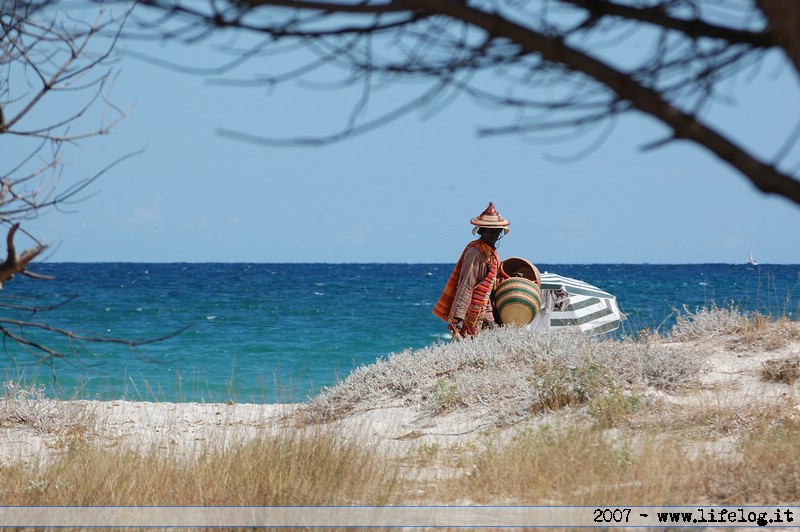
[465, 303]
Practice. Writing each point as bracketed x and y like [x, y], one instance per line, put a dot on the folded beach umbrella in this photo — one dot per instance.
[571, 304]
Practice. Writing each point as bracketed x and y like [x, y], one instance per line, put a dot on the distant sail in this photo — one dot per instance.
[750, 260]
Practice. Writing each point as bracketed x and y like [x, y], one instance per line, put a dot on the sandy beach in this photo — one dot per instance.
[731, 376]
[407, 412]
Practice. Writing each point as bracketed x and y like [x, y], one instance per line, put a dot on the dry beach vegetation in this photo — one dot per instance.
[708, 413]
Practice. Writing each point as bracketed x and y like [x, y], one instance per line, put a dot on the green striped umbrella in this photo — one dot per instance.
[572, 304]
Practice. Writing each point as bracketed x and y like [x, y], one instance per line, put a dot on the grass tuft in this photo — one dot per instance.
[28, 406]
[785, 370]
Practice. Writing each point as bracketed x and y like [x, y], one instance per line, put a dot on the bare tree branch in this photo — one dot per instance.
[46, 53]
[14, 263]
[684, 126]
[657, 15]
[580, 47]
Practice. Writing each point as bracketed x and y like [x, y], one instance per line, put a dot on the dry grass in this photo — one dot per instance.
[573, 465]
[706, 323]
[291, 469]
[744, 332]
[785, 370]
[28, 406]
[570, 420]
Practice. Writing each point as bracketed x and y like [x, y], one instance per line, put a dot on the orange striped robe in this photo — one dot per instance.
[480, 293]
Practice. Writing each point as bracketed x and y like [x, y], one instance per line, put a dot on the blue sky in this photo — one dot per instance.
[406, 192]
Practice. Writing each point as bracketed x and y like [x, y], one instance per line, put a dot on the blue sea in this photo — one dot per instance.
[270, 333]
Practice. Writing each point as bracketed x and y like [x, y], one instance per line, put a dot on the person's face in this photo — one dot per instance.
[491, 236]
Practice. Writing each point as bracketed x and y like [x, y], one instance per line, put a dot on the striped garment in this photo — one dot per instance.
[480, 294]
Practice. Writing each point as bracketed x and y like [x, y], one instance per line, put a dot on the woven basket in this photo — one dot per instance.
[517, 301]
[517, 265]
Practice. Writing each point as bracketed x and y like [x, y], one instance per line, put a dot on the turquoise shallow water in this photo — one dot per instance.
[279, 332]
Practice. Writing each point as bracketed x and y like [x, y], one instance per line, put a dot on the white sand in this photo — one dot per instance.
[732, 379]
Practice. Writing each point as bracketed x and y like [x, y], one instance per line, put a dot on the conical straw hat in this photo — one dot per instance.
[490, 218]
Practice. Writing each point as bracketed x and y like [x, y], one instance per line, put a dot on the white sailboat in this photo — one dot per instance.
[750, 260]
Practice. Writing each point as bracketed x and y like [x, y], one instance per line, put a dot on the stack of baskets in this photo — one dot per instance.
[517, 300]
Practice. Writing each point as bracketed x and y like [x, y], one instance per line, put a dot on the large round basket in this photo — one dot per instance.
[516, 266]
[517, 301]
